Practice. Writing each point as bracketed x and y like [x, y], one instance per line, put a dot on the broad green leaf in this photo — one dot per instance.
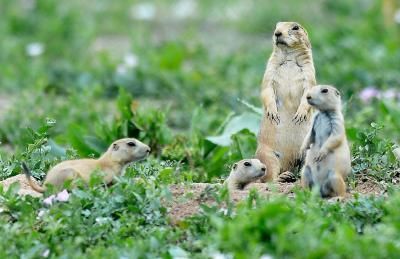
[249, 121]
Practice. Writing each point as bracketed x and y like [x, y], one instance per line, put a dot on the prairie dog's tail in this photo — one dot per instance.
[28, 175]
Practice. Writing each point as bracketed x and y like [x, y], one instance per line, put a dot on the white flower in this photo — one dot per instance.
[49, 200]
[131, 60]
[184, 9]
[266, 257]
[41, 213]
[63, 196]
[46, 253]
[102, 220]
[34, 49]
[397, 16]
[144, 11]
[224, 211]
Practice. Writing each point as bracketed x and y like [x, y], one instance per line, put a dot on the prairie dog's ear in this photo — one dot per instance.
[277, 154]
[234, 166]
[115, 147]
[337, 93]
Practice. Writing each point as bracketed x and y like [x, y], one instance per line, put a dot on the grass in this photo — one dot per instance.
[170, 73]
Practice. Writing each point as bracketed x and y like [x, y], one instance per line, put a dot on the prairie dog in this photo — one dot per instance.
[112, 163]
[244, 172]
[328, 160]
[289, 74]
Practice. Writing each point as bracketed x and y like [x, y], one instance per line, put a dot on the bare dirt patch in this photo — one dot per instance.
[369, 187]
[24, 189]
[188, 198]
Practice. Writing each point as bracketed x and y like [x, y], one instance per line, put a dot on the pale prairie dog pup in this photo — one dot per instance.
[244, 172]
[328, 160]
[289, 74]
[111, 163]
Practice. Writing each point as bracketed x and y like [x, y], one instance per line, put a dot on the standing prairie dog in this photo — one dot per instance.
[328, 160]
[289, 74]
[244, 172]
[111, 163]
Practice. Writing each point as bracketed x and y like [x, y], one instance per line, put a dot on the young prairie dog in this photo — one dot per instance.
[244, 172]
[289, 75]
[328, 160]
[111, 163]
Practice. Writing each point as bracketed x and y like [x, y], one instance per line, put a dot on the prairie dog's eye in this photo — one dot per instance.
[131, 144]
[325, 90]
[295, 28]
[247, 164]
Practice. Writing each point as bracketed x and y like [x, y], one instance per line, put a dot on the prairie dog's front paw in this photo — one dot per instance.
[300, 116]
[287, 177]
[273, 116]
[321, 155]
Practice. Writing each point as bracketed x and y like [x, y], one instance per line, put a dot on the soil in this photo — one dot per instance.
[24, 189]
[187, 198]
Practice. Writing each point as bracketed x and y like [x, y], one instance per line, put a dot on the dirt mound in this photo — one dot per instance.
[370, 188]
[25, 189]
[188, 198]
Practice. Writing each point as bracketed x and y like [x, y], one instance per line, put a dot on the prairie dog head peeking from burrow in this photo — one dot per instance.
[324, 98]
[127, 150]
[290, 35]
[244, 172]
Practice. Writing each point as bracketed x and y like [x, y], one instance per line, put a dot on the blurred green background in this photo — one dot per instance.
[80, 74]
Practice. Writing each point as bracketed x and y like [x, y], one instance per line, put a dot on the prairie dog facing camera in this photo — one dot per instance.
[289, 74]
[328, 161]
[244, 172]
[112, 163]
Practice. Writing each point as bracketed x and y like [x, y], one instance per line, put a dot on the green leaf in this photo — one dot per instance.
[249, 121]
[166, 175]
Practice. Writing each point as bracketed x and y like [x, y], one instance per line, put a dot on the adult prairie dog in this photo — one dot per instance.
[289, 74]
[244, 172]
[111, 163]
[328, 160]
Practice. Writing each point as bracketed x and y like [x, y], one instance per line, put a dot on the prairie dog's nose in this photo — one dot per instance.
[308, 97]
[148, 150]
[278, 33]
[263, 169]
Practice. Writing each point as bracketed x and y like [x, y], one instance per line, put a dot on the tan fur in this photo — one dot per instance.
[111, 163]
[244, 172]
[289, 74]
[329, 163]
